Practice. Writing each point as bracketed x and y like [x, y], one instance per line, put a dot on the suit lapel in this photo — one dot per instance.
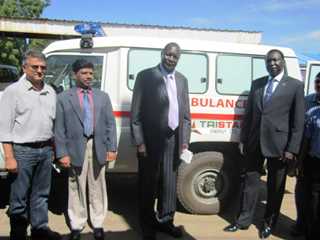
[96, 106]
[179, 88]
[160, 82]
[74, 99]
[280, 88]
[261, 93]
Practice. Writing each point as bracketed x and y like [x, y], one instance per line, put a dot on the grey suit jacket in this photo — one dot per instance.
[277, 125]
[149, 109]
[69, 137]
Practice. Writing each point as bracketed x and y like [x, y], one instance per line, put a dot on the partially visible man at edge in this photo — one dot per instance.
[26, 131]
[303, 188]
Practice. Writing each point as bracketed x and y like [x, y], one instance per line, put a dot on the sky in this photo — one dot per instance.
[289, 23]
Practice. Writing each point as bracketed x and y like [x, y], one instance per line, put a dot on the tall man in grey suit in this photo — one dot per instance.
[85, 137]
[160, 124]
[272, 129]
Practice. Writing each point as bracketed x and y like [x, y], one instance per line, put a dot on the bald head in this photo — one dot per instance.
[170, 56]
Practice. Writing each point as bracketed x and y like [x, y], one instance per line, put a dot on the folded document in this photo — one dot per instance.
[186, 156]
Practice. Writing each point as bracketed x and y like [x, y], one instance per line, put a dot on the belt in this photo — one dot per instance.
[39, 144]
[90, 137]
[171, 132]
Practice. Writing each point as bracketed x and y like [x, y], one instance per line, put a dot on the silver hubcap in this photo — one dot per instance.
[205, 183]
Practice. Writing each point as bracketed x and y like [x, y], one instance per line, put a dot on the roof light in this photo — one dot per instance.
[87, 31]
[90, 28]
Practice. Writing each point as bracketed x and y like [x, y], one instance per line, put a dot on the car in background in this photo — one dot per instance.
[8, 75]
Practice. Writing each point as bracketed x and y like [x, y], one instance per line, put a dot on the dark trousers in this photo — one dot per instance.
[312, 199]
[157, 179]
[30, 187]
[303, 195]
[276, 180]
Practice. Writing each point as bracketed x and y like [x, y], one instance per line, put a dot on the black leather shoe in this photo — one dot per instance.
[296, 231]
[75, 235]
[265, 232]
[98, 234]
[18, 227]
[44, 234]
[234, 227]
[149, 237]
[148, 234]
[170, 229]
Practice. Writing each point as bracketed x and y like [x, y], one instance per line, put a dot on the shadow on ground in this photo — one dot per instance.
[284, 224]
[122, 200]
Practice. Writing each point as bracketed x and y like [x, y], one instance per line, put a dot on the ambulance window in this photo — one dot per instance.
[195, 67]
[259, 68]
[314, 69]
[140, 59]
[59, 73]
[192, 65]
[234, 74]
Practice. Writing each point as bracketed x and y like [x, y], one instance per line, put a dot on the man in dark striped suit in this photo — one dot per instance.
[160, 125]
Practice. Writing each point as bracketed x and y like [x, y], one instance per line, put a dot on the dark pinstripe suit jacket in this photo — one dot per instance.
[149, 109]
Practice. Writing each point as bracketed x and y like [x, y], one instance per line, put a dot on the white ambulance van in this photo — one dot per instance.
[219, 76]
[312, 69]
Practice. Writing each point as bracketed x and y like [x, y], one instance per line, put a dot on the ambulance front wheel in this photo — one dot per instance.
[204, 184]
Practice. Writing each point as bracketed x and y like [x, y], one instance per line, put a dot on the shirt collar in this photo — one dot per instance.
[278, 77]
[28, 85]
[80, 90]
[314, 97]
[165, 72]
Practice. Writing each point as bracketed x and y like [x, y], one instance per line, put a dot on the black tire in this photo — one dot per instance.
[203, 184]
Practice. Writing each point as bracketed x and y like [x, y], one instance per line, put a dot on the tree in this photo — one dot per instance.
[23, 8]
[13, 48]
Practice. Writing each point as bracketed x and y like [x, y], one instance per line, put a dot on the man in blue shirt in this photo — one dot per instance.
[308, 180]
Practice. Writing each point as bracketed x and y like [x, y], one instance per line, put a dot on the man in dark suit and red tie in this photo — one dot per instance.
[160, 124]
[272, 129]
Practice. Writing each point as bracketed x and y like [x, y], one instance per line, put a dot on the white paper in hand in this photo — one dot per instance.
[186, 156]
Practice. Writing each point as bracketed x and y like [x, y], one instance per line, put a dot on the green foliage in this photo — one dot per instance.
[39, 44]
[10, 51]
[13, 48]
[23, 8]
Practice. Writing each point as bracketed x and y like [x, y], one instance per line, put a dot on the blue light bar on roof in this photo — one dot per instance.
[90, 28]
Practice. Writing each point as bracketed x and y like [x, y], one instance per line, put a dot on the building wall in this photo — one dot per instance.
[48, 28]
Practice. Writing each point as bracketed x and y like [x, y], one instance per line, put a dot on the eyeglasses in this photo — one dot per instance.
[36, 67]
